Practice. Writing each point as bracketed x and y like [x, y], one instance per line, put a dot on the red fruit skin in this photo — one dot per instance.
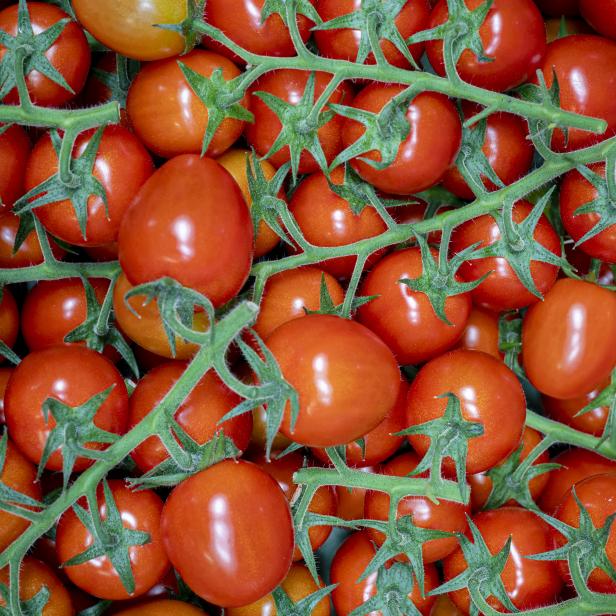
[601, 15]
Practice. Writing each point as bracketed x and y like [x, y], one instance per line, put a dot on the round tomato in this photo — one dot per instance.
[162, 607]
[481, 333]
[351, 501]
[346, 378]
[558, 8]
[189, 221]
[242, 506]
[72, 375]
[405, 319]
[427, 152]
[569, 339]
[14, 152]
[601, 15]
[9, 318]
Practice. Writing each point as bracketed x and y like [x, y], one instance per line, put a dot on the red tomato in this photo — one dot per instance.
[405, 319]
[569, 339]
[489, 394]
[346, 378]
[69, 54]
[351, 560]
[5, 375]
[71, 374]
[502, 289]
[289, 85]
[189, 221]
[198, 414]
[557, 8]
[169, 117]
[139, 510]
[253, 531]
[427, 152]
[162, 607]
[481, 333]
[9, 318]
[14, 152]
[529, 583]
[351, 500]
[512, 63]
[601, 15]
[325, 219]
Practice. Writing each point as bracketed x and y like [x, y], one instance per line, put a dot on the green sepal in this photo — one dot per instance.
[304, 607]
[327, 306]
[98, 609]
[296, 7]
[607, 397]
[118, 81]
[7, 352]
[30, 607]
[510, 340]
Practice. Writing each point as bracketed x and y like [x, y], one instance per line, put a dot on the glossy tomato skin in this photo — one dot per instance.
[569, 339]
[326, 219]
[289, 85]
[192, 213]
[9, 318]
[169, 117]
[198, 414]
[405, 319]
[512, 63]
[576, 191]
[71, 374]
[139, 510]
[14, 152]
[358, 372]
[529, 583]
[427, 152]
[446, 515]
[162, 607]
[481, 333]
[502, 289]
[129, 27]
[259, 530]
[601, 15]
[489, 394]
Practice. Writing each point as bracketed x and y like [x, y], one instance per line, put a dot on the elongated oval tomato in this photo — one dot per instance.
[14, 152]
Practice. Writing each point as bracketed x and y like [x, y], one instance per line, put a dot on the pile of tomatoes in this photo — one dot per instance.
[125, 247]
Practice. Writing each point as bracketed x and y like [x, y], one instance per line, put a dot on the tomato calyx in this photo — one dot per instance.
[289, 10]
[327, 306]
[510, 340]
[304, 607]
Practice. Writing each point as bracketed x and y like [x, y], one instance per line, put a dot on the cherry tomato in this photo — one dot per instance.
[558, 8]
[481, 333]
[427, 152]
[405, 319]
[221, 552]
[9, 318]
[14, 152]
[5, 375]
[511, 63]
[72, 375]
[529, 583]
[346, 378]
[351, 500]
[169, 117]
[189, 221]
[569, 339]
[601, 15]
[162, 607]
[289, 85]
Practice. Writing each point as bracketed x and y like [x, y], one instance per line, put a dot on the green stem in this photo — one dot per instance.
[57, 270]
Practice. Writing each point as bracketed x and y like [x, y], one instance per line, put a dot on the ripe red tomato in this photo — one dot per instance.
[351, 500]
[405, 319]
[169, 117]
[569, 339]
[162, 607]
[502, 289]
[9, 319]
[69, 54]
[347, 379]
[220, 553]
[14, 152]
[601, 15]
[71, 374]
[481, 333]
[512, 63]
[198, 414]
[139, 510]
[557, 8]
[427, 152]
[489, 394]
[289, 85]
[189, 221]
[529, 583]
[5, 375]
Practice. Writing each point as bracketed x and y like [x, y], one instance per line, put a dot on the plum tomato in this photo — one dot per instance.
[9, 318]
[14, 153]
[601, 15]
[481, 333]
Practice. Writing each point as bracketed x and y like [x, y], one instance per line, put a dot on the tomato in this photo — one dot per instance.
[569, 339]
[5, 375]
[529, 583]
[298, 584]
[489, 393]
[427, 152]
[506, 147]
[139, 510]
[596, 494]
[234, 161]
[576, 191]
[585, 67]
[576, 464]
[351, 500]
[71, 374]
[9, 318]
[129, 27]
[244, 521]
[189, 221]
[511, 63]
[198, 414]
[162, 607]
[446, 515]
[601, 15]
[169, 117]
[14, 152]
[350, 561]
[343, 43]
[573, 26]
[346, 378]
[481, 333]
[502, 289]
[405, 319]
[557, 8]
[289, 85]
[33, 577]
